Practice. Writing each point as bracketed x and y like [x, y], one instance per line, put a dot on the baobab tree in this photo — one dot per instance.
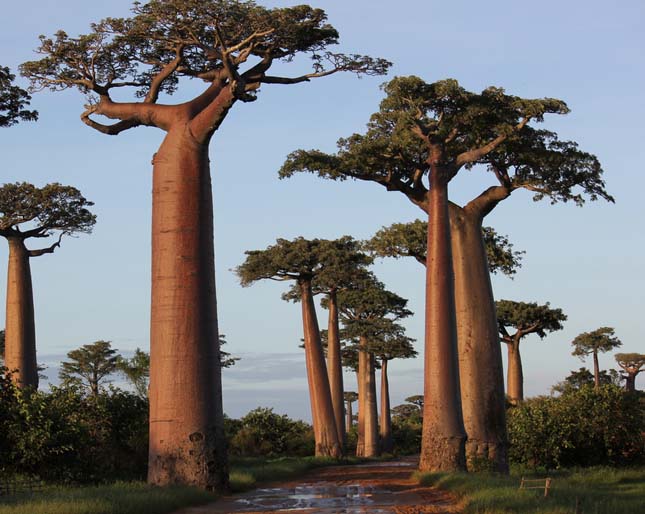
[525, 318]
[300, 260]
[350, 397]
[90, 365]
[411, 240]
[390, 345]
[368, 314]
[28, 213]
[591, 343]
[231, 46]
[632, 364]
[435, 130]
[345, 266]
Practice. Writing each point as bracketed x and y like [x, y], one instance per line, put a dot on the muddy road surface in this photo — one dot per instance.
[377, 488]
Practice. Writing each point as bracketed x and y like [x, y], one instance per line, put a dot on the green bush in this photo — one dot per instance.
[264, 433]
[64, 435]
[585, 427]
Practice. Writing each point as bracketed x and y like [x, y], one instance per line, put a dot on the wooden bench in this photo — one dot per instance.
[541, 483]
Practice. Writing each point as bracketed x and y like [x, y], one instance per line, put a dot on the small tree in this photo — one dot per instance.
[13, 101]
[590, 343]
[632, 363]
[368, 313]
[390, 345]
[28, 212]
[345, 265]
[225, 358]
[525, 318]
[301, 260]
[350, 397]
[583, 378]
[90, 365]
[136, 370]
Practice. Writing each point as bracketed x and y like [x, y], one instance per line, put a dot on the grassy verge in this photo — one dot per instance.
[118, 498]
[594, 490]
[246, 473]
[137, 497]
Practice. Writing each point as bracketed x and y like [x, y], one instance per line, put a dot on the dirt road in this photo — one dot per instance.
[379, 488]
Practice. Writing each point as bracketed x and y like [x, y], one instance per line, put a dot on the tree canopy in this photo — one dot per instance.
[527, 318]
[13, 101]
[29, 211]
[136, 370]
[582, 378]
[165, 40]
[600, 340]
[631, 362]
[468, 129]
[90, 365]
[410, 240]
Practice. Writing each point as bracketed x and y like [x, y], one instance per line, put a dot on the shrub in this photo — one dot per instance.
[264, 433]
[582, 428]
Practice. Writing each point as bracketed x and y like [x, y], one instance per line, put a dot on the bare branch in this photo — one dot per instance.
[49, 249]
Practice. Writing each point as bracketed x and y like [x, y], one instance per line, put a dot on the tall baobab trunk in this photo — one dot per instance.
[187, 442]
[630, 382]
[515, 377]
[481, 373]
[335, 368]
[443, 436]
[20, 332]
[349, 420]
[327, 443]
[596, 371]
[386, 417]
[368, 443]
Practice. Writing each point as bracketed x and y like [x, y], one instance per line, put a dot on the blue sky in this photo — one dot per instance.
[588, 261]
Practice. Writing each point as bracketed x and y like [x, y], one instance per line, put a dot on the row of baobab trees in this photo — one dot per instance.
[420, 138]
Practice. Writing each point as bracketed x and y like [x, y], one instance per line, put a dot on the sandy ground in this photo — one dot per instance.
[379, 488]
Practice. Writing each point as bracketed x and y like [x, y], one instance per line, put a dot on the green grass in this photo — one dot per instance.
[118, 498]
[137, 497]
[246, 473]
[597, 490]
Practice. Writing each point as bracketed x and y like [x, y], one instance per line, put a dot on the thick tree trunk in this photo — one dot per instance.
[187, 444]
[335, 368]
[386, 417]
[630, 382]
[515, 377]
[443, 436]
[368, 443]
[327, 443]
[481, 372]
[349, 420]
[20, 332]
[596, 371]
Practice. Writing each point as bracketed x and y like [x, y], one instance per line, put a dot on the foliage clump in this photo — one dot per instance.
[585, 427]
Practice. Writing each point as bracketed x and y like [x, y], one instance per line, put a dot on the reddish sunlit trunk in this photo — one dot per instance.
[480, 356]
[386, 417]
[515, 377]
[443, 435]
[327, 443]
[368, 443]
[335, 368]
[630, 382]
[187, 444]
[349, 420]
[20, 332]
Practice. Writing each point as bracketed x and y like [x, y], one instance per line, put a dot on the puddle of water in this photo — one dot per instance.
[348, 499]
